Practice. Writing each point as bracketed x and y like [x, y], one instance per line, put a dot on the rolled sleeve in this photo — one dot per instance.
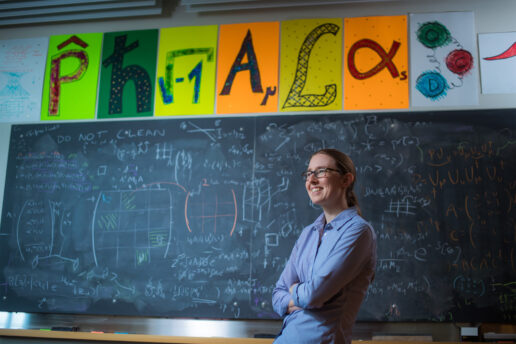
[295, 296]
[281, 294]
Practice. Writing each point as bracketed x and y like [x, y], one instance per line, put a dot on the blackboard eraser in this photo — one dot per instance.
[264, 335]
[65, 328]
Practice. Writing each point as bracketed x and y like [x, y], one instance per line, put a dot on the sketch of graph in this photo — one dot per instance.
[22, 68]
[212, 210]
[256, 200]
[131, 227]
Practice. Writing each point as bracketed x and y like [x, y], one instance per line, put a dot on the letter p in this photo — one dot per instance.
[56, 79]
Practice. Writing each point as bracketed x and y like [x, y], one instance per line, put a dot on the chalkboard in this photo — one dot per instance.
[196, 217]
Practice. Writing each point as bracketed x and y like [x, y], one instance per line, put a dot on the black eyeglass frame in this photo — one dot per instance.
[319, 173]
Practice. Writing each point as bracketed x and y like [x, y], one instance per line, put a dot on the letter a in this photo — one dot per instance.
[251, 66]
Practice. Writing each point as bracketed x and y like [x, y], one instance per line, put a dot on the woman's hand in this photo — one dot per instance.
[291, 307]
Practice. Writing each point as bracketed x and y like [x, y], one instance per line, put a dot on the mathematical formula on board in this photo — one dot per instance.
[197, 217]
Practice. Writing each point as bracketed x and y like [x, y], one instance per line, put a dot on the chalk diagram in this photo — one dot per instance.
[41, 243]
[131, 226]
[137, 225]
[446, 52]
[213, 209]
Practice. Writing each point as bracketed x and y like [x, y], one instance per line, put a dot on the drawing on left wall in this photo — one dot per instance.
[22, 72]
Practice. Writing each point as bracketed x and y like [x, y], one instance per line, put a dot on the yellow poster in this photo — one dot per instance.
[311, 65]
[247, 73]
[186, 71]
[376, 63]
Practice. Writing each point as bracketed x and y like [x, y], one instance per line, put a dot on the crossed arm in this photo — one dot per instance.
[342, 264]
[282, 301]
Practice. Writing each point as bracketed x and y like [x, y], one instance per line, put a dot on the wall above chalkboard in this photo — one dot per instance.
[196, 217]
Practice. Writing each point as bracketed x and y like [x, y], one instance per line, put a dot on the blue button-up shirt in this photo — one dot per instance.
[333, 271]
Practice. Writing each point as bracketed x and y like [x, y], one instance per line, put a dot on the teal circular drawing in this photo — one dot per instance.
[433, 35]
[432, 85]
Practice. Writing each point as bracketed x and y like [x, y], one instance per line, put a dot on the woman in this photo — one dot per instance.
[333, 261]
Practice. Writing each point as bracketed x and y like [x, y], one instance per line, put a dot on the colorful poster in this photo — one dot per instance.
[376, 63]
[22, 69]
[71, 77]
[247, 72]
[444, 63]
[498, 62]
[186, 71]
[128, 74]
[311, 65]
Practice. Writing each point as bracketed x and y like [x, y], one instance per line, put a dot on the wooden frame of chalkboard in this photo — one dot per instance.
[196, 217]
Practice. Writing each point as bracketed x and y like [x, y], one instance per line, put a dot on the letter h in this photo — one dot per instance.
[120, 75]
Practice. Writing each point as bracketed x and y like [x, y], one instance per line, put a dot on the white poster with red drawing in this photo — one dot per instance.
[498, 62]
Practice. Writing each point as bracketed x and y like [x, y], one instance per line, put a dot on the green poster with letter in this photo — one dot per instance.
[128, 74]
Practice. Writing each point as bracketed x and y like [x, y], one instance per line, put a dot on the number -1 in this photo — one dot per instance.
[196, 73]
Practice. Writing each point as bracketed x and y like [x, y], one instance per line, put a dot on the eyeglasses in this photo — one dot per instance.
[319, 173]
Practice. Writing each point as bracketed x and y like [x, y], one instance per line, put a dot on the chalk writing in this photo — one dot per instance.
[197, 217]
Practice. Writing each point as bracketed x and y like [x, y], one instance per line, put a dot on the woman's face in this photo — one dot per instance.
[329, 191]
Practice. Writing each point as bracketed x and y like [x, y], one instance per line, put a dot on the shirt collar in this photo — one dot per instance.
[337, 222]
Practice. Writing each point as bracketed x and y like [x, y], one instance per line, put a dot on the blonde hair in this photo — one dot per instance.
[344, 165]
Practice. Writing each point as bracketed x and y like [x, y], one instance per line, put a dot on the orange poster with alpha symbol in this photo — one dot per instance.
[376, 63]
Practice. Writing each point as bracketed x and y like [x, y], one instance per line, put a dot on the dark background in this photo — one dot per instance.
[196, 217]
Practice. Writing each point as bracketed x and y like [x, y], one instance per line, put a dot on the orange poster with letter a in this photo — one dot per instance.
[376, 63]
[247, 77]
